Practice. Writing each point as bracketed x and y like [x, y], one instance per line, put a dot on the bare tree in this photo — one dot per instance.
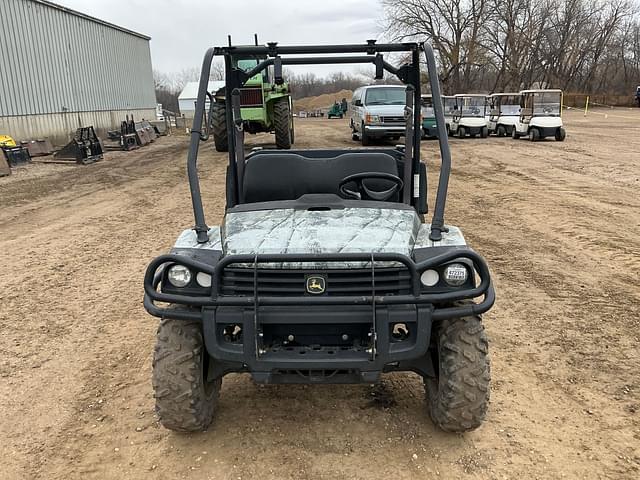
[591, 46]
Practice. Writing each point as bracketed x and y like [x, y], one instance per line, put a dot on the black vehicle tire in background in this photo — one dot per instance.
[484, 132]
[458, 396]
[461, 132]
[219, 127]
[561, 134]
[501, 132]
[514, 134]
[185, 399]
[364, 138]
[534, 134]
[282, 123]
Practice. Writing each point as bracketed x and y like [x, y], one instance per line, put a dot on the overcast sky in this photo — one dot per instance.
[181, 30]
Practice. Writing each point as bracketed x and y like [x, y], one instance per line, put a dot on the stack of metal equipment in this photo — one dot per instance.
[84, 148]
[13, 154]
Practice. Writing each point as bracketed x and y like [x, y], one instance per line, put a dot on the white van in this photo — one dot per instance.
[377, 111]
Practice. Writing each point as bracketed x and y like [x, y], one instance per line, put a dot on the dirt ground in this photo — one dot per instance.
[559, 224]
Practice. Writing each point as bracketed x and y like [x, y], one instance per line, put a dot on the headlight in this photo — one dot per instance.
[203, 279]
[455, 274]
[179, 276]
[429, 278]
[372, 119]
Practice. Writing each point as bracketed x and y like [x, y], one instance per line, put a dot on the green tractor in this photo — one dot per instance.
[265, 107]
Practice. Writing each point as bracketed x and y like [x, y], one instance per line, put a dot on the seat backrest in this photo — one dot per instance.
[288, 176]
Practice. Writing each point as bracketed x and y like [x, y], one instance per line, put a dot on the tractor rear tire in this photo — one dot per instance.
[219, 127]
[458, 395]
[534, 134]
[561, 134]
[185, 399]
[282, 123]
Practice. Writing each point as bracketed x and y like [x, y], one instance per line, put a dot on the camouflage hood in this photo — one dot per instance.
[349, 230]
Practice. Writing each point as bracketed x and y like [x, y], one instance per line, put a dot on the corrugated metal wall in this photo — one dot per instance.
[55, 62]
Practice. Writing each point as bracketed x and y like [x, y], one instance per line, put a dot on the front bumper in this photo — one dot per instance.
[260, 316]
[378, 131]
[430, 129]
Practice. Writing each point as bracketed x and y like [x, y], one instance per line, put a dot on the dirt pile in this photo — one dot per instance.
[323, 101]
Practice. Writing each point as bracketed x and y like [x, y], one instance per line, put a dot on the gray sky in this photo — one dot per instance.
[181, 30]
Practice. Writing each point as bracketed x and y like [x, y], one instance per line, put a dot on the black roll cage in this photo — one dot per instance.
[235, 78]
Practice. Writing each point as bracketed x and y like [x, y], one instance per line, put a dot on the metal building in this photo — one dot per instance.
[62, 70]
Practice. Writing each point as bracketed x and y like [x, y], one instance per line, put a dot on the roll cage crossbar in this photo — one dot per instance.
[277, 56]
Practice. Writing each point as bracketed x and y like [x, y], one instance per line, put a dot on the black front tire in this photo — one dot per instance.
[534, 134]
[501, 132]
[561, 134]
[484, 132]
[514, 134]
[185, 398]
[458, 396]
[282, 123]
[219, 127]
[461, 132]
[364, 138]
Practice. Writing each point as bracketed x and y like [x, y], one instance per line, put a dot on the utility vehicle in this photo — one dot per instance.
[322, 270]
[335, 111]
[469, 116]
[540, 115]
[377, 111]
[504, 110]
[265, 101]
[429, 124]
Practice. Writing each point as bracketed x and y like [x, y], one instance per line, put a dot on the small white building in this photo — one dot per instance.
[189, 94]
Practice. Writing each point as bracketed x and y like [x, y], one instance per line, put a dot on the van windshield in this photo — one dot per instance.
[385, 96]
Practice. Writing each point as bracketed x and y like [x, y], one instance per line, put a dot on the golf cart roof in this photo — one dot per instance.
[460, 95]
[512, 94]
[542, 90]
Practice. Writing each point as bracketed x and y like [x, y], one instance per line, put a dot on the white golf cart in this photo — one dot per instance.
[504, 111]
[468, 117]
[540, 115]
[449, 105]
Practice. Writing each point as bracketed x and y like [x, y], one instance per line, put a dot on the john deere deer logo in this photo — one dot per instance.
[316, 285]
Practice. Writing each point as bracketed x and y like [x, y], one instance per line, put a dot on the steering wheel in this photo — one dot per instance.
[366, 193]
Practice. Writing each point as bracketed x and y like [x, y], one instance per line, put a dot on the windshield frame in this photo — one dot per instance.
[481, 105]
[533, 101]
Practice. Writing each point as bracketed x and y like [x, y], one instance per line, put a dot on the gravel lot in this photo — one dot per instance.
[559, 224]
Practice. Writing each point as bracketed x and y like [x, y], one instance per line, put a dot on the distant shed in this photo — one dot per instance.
[63, 69]
[189, 94]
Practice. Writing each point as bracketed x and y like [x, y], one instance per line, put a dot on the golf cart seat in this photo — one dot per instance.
[288, 176]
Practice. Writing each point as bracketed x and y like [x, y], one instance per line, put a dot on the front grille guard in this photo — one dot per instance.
[153, 277]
